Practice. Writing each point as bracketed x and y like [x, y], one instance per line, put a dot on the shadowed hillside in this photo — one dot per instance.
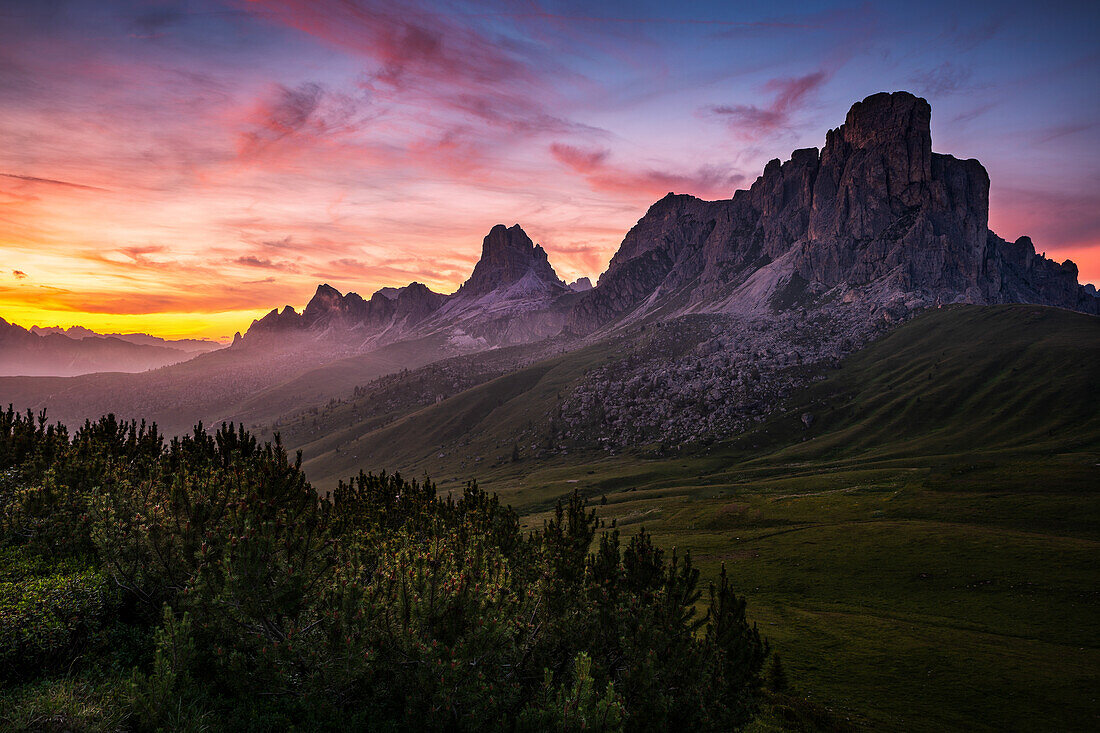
[923, 554]
[959, 378]
[956, 379]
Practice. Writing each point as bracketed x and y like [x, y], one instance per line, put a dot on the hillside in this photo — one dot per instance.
[977, 377]
[958, 378]
[923, 554]
[314, 387]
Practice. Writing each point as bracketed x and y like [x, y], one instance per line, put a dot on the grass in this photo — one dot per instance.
[923, 555]
[69, 704]
[473, 429]
[900, 604]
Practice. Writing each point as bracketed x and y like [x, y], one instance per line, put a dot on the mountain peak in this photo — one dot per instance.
[328, 304]
[326, 298]
[507, 255]
[580, 285]
[874, 210]
[888, 117]
[501, 240]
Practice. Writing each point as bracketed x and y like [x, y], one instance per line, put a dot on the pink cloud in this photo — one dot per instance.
[1062, 225]
[592, 164]
[264, 263]
[790, 95]
[413, 47]
[582, 161]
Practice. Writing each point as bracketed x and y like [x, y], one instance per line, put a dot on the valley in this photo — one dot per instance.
[921, 552]
[923, 555]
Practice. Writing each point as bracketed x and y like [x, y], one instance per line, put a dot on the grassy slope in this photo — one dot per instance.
[478, 423]
[924, 555]
[1001, 377]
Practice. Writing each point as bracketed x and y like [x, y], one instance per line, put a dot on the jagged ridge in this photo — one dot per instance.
[874, 216]
[508, 298]
[875, 205]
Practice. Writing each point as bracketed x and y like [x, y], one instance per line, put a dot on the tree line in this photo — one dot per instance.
[211, 587]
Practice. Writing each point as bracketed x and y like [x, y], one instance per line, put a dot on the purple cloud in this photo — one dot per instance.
[790, 95]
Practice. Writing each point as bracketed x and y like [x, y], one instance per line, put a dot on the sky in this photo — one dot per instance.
[181, 168]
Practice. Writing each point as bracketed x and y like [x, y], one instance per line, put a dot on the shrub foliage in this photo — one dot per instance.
[210, 578]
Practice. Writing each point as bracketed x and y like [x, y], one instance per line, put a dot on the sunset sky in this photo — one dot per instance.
[182, 167]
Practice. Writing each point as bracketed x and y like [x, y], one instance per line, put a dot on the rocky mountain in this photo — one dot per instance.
[390, 314]
[51, 352]
[510, 297]
[513, 265]
[721, 309]
[874, 215]
[513, 295]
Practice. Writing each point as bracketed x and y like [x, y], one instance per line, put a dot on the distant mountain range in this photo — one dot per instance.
[60, 352]
[748, 298]
[512, 296]
[193, 346]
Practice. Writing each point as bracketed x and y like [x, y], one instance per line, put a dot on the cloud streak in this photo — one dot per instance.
[594, 168]
[51, 182]
[789, 96]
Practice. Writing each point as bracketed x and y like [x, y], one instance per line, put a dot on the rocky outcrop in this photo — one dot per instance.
[508, 256]
[329, 305]
[884, 203]
[580, 285]
[875, 212]
[347, 317]
[285, 320]
[513, 295]
[510, 297]
[670, 236]
[1015, 273]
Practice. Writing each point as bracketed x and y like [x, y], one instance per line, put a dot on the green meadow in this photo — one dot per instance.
[923, 556]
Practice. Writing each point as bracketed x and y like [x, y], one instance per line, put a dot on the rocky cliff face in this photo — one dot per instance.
[508, 256]
[513, 295]
[875, 211]
[1015, 273]
[510, 297]
[884, 204]
[347, 318]
[875, 216]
